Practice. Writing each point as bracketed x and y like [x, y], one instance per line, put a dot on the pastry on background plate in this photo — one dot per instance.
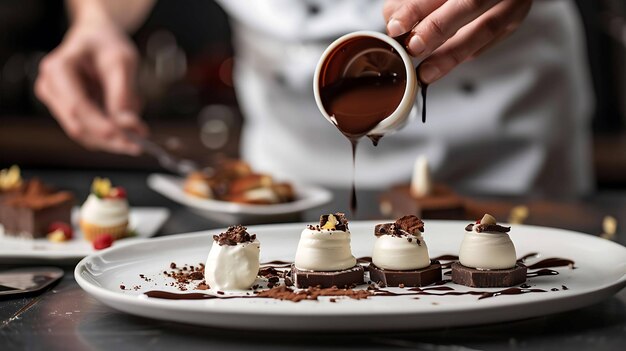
[105, 211]
[234, 181]
[28, 208]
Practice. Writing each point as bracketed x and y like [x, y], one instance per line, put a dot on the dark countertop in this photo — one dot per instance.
[67, 318]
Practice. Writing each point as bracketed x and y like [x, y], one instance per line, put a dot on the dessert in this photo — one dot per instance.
[324, 257]
[27, 208]
[487, 257]
[400, 255]
[233, 261]
[422, 197]
[105, 211]
[234, 181]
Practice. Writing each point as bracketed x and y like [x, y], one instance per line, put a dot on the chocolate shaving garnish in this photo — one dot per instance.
[410, 224]
[283, 292]
[342, 221]
[480, 228]
[234, 235]
[404, 226]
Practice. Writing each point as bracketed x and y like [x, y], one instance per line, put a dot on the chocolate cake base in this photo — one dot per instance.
[443, 203]
[498, 278]
[342, 279]
[33, 223]
[412, 278]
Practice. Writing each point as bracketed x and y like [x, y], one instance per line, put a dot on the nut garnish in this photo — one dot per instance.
[336, 221]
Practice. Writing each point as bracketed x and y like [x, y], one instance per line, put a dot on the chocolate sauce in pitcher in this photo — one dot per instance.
[361, 84]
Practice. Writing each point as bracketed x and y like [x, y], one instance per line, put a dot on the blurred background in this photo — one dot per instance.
[186, 74]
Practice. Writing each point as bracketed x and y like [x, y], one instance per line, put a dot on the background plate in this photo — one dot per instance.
[308, 197]
[600, 273]
[145, 221]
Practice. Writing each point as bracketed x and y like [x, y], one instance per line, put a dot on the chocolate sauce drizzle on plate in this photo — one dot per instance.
[435, 289]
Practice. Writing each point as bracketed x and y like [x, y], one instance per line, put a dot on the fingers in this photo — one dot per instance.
[402, 15]
[62, 88]
[117, 72]
[444, 22]
[492, 26]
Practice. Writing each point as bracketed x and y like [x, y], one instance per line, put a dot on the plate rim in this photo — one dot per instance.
[63, 255]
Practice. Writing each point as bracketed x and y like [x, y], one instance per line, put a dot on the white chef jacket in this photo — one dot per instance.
[513, 121]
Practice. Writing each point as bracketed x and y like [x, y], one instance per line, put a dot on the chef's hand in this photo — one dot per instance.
[88, 84]
[449, 32]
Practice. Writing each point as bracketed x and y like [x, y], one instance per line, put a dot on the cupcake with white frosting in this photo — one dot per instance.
[324, 257]
[106, 211]
[400, 256]
[233, 262]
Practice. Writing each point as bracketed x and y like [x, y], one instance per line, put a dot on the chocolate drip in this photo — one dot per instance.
[157, 294]
[424, 90]
[541, 272]
[527, 256]
[353, 200]
[552, 262]
[480, 228]
[375, 138]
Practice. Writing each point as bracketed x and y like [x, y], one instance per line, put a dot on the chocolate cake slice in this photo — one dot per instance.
[28, 211]
[347, 278]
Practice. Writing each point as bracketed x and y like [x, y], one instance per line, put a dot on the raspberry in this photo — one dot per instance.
[103, 241]
[117, 193]
[62, 226]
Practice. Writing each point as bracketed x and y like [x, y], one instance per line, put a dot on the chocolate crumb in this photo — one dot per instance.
[202, 286]
[220, 293]
[564, 287]
[234, 235]
[123, 287]
[173, 265]
[283, 292]
[333, 300]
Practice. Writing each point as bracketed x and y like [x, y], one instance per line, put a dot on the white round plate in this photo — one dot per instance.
[600, 273]
[145, 221]
[308, 197]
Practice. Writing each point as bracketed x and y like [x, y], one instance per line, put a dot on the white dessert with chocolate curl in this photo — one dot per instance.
[400, 245]
[325, 247]
[233, 262]
[486, 246]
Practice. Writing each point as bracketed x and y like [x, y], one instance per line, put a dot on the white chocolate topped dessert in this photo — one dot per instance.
[487, 246]
[326, 246]
[400, 245]
[233, 262]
